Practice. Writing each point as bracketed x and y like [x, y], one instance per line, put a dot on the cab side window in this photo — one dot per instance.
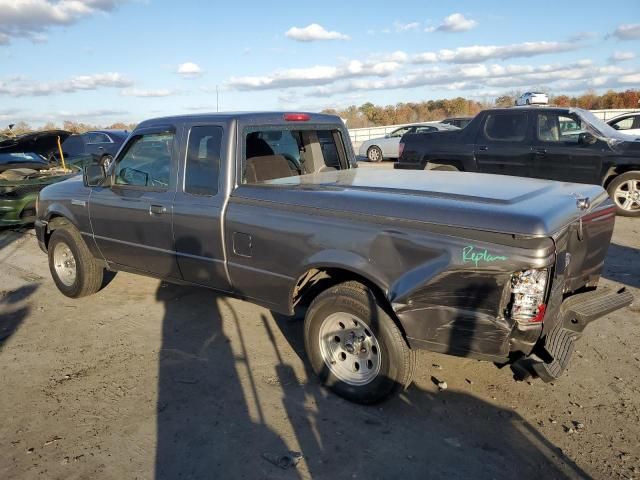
[624, 123]
[506, 127]
[202, 168]
[146, 161]
[554, 127]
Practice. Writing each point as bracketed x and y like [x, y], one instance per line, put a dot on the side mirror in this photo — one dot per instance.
[93, 175]
[587, 138]
[387, 135]
[616, 126]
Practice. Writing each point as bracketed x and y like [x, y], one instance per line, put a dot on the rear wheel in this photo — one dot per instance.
[354, 346]
[374, 154]
[75, 271]
[624, 190]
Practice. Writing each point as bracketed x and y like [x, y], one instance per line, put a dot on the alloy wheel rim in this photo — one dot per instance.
[65, 264]
[349, 349]
[374, 154]
[627, 195]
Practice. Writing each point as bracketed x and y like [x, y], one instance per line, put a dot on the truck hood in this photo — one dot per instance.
[495, 203]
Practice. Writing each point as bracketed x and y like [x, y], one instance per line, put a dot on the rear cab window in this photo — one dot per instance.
[272, 153]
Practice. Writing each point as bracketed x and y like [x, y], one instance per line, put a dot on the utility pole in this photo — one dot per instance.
[217, 100]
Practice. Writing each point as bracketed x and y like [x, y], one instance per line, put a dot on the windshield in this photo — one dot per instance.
[7, 158]
[601, 128]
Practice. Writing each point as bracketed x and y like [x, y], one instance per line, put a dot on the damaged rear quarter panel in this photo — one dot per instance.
[455, 303]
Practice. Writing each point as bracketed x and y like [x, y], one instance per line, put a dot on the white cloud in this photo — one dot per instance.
[189, 70]
[456, 22]
[404, 27]
[622, 56]
[22, 87]
[314, 32]
[317, 75]
[30, 18]
[578, 75]
[147, 93]
[629, 31]
[479, 53]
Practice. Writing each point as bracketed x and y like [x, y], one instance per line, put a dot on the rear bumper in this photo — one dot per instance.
[551, 354]
[41, 230]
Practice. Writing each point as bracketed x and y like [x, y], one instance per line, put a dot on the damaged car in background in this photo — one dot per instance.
[24, 171]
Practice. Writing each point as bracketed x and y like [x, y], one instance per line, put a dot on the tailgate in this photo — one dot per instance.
[587, 242]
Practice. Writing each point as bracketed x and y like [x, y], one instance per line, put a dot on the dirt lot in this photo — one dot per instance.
[150, 380]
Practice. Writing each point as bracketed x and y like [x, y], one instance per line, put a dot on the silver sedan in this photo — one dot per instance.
[378, 149]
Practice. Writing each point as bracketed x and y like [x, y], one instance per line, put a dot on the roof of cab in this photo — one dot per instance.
[246, 117]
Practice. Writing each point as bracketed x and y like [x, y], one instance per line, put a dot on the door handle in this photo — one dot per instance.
[157, 209]
[540, 152]
[483, 148]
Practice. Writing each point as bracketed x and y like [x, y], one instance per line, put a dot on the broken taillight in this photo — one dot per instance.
[528, 290]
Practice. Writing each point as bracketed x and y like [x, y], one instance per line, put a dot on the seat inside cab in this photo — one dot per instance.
[279, 153]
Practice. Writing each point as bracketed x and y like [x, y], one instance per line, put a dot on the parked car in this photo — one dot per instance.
[459, 122]
[98, 145]
[381, 263]
[629, 123]
[22, 176]
[532, 98]
[378, 149]
[566, 144]
[43, 143]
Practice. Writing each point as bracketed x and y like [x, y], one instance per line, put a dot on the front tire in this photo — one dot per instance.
[624, 190]
[354, 346]
[75, 271]
[374, 154]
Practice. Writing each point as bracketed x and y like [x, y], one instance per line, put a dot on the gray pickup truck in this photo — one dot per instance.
[269, 207]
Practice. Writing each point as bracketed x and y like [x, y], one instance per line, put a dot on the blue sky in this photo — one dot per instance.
[102, 61]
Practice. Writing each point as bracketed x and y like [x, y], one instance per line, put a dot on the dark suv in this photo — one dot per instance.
[100, 145]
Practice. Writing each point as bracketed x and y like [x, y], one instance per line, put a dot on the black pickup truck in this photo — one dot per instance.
[565, 144]
[268, 207]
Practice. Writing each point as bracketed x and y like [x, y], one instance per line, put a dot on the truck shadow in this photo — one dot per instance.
[207, 427]
[622, 265]
[215, 419]
[13, 312]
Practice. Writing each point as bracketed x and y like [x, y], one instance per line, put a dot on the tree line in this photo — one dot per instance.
[370, 115]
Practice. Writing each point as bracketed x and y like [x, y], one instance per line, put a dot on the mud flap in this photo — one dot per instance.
[576, 313]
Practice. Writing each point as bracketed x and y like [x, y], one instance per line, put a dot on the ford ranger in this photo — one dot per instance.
[269, 207]
[565, 144]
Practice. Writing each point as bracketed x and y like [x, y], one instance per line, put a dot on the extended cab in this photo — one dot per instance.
[566, 144]
[269, 207]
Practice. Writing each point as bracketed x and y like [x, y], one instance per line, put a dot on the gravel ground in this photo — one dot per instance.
[151, 380]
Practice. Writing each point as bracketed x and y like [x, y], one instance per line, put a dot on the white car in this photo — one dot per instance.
[532, 98]
[628, 123]
[378, 149]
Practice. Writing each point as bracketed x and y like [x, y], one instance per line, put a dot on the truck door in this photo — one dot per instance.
[131, 219]
[558, 153]
[198, 206]
[503, 143]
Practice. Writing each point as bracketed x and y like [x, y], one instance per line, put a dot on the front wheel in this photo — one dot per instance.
[354, 346]
[75, 271]
[624, 190]
[374, 154]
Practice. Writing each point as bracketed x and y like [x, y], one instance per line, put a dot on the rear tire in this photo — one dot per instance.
[624, 190]
[75, 271]
[374, 154]
[354, 346]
